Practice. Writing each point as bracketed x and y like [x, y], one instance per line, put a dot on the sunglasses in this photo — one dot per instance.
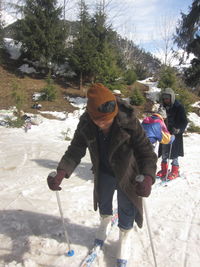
[107, 107]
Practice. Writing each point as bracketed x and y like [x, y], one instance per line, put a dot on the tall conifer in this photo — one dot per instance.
[188, 38]
[105, 65]
[41, 31]
[84, 45]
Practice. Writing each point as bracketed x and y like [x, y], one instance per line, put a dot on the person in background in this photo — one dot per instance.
[120, 152]
[117, 93]
[37, 106]
[176, 123]
[155, 128]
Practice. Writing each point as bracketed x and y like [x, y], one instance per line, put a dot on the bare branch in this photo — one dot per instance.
[164, 43]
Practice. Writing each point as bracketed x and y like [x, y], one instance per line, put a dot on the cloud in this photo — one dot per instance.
[138, 19]
[175, 60]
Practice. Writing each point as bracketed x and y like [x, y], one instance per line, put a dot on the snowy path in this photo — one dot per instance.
[31, 231]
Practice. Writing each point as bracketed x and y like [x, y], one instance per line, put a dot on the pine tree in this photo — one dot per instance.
[188, 38]
[41, 32]
[106, 67]
[93, 55]
[83, 49]
[167, 78]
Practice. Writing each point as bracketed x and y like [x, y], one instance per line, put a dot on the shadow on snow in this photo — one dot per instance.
[19, 225]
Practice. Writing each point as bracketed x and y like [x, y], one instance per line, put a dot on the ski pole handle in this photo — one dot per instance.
[139, 178]
[53, 174]
[54, 180]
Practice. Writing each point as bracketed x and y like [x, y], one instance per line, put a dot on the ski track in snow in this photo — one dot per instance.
[189, 234]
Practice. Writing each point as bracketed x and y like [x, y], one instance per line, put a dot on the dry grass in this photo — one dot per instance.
[10, 80]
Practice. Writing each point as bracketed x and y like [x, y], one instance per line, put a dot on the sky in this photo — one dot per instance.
[31, 230]
[142, 21]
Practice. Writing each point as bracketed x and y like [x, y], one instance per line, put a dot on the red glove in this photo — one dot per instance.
[54, 180]
[143, 187]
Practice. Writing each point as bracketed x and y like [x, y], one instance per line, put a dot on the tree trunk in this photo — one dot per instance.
[81, 81]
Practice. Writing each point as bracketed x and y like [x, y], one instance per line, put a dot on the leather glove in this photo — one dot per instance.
[175, 130]
[143, 186]
[54, 180]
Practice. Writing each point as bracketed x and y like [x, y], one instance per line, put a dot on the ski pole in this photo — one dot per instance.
[149, 232]
[70, 251]
[140, 179]
[170, 150]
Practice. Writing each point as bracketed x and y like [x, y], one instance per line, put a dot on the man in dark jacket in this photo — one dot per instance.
[120, 152]
[176, 123]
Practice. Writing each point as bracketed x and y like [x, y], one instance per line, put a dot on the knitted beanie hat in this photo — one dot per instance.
[98, 95]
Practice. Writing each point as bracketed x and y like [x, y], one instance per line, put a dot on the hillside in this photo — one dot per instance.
[11, 79]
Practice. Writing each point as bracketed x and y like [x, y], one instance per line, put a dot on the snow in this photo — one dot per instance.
[26, 69]
[7, 18]
[12, 48]
[197, 104]
[31, 230]
[194, 118]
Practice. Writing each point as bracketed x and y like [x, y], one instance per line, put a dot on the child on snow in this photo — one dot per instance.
[155, 128]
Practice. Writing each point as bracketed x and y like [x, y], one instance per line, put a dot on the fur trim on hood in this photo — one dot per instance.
[167, 91]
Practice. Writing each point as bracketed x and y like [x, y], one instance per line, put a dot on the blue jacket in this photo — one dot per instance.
[156, 130]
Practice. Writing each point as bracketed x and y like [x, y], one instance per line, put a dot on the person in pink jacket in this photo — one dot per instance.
[155, 128]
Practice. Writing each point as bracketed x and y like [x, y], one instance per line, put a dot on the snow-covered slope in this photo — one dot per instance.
[31, 232]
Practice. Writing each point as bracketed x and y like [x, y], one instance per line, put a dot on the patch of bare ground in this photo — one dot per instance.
[11, 78]
[9, 81]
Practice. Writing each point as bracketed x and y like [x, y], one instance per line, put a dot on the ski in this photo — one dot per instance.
[97, 249]
[91, 257]
[164, 182]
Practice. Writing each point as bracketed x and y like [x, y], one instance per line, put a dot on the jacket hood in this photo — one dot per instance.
[158, 116]
[170, 92]
[152, 119]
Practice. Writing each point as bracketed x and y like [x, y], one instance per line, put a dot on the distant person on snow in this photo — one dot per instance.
[120, 152]
[117, 93]
[155, 128]
[176, 123]
[37, 106]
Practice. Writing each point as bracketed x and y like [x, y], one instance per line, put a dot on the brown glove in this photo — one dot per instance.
[143, 187]
[54, 180]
